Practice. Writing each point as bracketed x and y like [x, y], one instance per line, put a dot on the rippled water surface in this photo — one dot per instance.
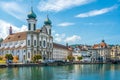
[74, 72]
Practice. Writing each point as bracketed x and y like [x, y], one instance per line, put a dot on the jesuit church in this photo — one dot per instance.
[29, 43]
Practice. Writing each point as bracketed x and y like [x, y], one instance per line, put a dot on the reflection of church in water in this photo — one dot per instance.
[29, 43]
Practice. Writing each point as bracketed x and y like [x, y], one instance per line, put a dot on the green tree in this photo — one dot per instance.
[0, 57]
[70, 57]
[9, 57]
[37, 57]
[79, 58]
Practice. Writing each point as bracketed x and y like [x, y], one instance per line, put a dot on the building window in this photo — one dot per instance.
[44, 44]
[51, 45]
[29, 26]
[18, 56]
[24, 57]
[34, 27]
[34, 42]
[28, 42]
[40, 43]
[47, 44]
[28, 55]
[40, 52]
[12, 51]
[34, 52]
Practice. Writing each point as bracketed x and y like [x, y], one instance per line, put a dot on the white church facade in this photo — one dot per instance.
[29, 43]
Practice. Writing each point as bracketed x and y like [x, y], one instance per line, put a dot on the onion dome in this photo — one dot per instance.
[1, 39]
[47, 21]
[103, 44]
[32, 14]
[103, 40]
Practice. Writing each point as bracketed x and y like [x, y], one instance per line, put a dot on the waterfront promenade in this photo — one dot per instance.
[48, 64]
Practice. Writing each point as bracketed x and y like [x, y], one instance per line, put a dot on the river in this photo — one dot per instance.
[71, 72]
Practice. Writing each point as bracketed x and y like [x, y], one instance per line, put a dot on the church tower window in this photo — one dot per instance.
[34, 42]
[50, 31]
[29, 26]
[34, 27]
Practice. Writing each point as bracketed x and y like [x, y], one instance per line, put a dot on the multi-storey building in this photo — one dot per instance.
[29, 43]
[115, 53]
[81, 51]
[100, 52]
[60, 52]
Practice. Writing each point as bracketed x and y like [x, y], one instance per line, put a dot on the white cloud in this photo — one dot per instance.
[58, 5]
[96, 12]
[62, 38]
[73, 38]
[59, 37]
[53, 31]
[4, 28]
[65, 24]
[13, 9]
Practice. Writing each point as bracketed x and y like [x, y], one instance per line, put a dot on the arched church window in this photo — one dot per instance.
[28, 55]
[50, 45]
[44, 43]
[47, 44]
[34, 52]
[50, 31]
[40, 43]
[28, 42]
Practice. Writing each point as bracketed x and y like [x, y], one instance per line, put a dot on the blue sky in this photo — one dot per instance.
[73, 22]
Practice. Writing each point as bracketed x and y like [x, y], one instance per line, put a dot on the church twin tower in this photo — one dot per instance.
[39, 41]
[32, 22]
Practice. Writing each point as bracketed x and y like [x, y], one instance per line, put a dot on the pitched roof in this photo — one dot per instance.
[55, 45]
[16, 37]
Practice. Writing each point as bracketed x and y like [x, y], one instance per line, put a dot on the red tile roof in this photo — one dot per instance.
[15, 37]
[101, 45]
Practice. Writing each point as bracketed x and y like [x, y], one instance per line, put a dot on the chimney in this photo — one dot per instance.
[10, 31]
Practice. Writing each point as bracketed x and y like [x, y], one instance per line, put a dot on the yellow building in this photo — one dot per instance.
[115, 53]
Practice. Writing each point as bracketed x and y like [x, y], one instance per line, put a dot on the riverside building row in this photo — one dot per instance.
[101, 52]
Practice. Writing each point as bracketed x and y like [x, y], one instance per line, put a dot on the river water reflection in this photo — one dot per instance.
[73, 72]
